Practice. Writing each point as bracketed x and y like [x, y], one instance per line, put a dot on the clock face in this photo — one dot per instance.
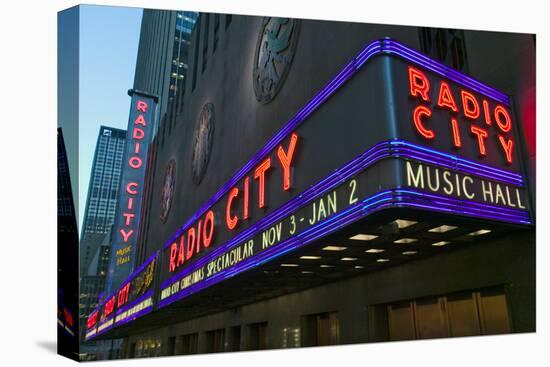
[202, 143]
[167, 190]
[274, 53]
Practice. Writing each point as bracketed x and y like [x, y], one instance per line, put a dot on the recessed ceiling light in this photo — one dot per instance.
[289, 265]
[480, 232]
[334, 248]
[402, 223]
[440, 243]
[405, 240]
[327, 266]
[442, 229]
[374, 250]
[359, 267]
[307, 272]
[348, 259]
[409, 252]
[382, 260]
[310, 257]
[363, 237]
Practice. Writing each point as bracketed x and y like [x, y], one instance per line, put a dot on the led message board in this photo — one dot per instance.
[138, 136]
[421, 135]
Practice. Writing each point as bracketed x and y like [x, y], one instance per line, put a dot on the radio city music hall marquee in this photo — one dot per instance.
[433, 139]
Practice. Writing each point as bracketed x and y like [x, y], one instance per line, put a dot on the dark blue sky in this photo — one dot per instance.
[109, 38]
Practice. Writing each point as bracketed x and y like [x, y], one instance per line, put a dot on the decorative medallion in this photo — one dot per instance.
[202, 142]
[167, 190]
[274, 52]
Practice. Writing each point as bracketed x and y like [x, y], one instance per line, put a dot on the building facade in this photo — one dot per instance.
[162, 60]
[67, 256]
[92, 285]
[264, 227]
[102, 196]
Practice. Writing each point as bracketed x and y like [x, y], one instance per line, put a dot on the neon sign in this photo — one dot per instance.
[478, 116]
[134, 298]
[92, 320]
[475, 122]
[138, 135]
[431, 153]
[200, 235]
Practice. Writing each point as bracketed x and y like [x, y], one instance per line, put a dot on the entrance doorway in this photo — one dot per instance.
[482, 312]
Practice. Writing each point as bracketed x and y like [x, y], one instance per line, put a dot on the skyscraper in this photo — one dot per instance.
[162, 60]
[102, 193]
[67, 255]
[92, 284]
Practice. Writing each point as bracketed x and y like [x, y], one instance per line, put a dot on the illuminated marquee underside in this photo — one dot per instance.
[422, 178]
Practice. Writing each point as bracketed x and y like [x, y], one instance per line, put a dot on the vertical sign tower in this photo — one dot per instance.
[125, 231]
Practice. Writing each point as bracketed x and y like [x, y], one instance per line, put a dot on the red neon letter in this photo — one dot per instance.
[181, 251]
[126, 235]
[135, 162]
[246, 185]
[91, 320]
[142, 106]
[123, 294]
[286, 160]
[140, 121]
[446, 98]
[199, 227]
[229, 220]
[259, 173]
[505, 126]
[190, 243]
[208, 233]
[128, 217]
[68, 316]
[456, 133]
[418, 84]
[173, 254]
[138, 133]
[131, 188]
[507, 146]
[109, 306]
[481, 136]
[469, 105]
[486, 112]
[420, 111]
